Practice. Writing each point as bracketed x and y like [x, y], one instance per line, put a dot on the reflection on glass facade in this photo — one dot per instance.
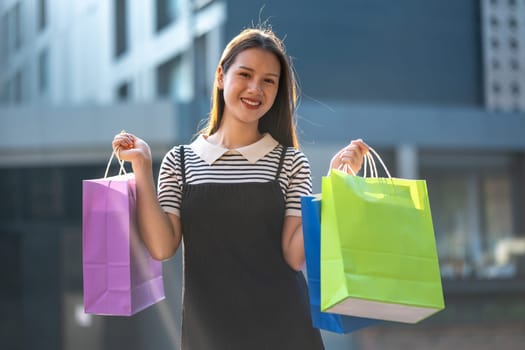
[4, 39]
[174, 80]
[43, 71]
[121, 27]
[473, 218]
[17, 26]
[388, 55]
[167, 12]
[123, 91]
[42, 14]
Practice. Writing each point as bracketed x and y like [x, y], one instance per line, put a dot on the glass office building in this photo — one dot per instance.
[436, 86]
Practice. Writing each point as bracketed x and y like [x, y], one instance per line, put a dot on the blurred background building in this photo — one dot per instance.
[436, 86]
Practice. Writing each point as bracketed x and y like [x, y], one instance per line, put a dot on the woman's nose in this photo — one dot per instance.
[255, 86]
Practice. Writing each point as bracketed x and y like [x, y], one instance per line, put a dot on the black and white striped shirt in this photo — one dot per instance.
[208, 163]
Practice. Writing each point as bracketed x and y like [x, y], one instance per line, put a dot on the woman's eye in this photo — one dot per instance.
[269, 81]
[244, 74]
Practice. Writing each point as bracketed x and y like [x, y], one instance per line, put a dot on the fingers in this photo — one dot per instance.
[130, 148]
[124, 145]
[354, 152]
[350, 158]
[363, 147]
[123, 141]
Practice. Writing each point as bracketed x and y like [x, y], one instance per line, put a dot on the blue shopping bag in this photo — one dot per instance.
[311, 218]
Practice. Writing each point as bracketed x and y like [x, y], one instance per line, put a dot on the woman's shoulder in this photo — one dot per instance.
[294, 159]
[177, 149]
[174, 155]
[294, 154]
[295, 163]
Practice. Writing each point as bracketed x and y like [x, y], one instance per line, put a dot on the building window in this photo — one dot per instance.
[123, 91]
[167, 77]
[121, 32]
[8, 91]
[34, 194]
[17, 26]
[199, 4]
[166, 12]
[174, 80]
[4, 93]
[472, 203]
[202, 84]
[4, 32]
[16, 86]
[43, 71]
[42, 14]
[503, 26]
[203, 77]
[47, 194]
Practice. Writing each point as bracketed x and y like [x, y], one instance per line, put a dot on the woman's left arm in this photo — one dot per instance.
[292, 242]
[292, 235]
[297, 169]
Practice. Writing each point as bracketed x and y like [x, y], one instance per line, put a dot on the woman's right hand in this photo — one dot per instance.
[132, 149]
[160, 232]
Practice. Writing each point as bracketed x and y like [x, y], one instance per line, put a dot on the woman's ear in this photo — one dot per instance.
[220, 78]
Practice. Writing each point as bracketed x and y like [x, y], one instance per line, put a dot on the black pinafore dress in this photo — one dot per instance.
[239, 293]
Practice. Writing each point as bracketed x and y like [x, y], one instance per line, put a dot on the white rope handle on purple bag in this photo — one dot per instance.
[122, 170]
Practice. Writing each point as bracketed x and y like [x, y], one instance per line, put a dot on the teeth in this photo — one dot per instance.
[251, 103]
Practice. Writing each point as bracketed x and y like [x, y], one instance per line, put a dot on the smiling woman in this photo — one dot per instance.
[249, 88]
[279, 118]
[233, 197]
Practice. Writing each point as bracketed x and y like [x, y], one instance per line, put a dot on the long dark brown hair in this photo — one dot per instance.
[279, 120]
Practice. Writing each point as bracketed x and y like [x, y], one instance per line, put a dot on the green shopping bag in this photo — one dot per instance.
[378, 250]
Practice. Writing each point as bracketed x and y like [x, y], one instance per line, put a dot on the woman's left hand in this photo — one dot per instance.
[350, 157]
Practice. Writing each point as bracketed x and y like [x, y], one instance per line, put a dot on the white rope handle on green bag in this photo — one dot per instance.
[370, 163]
[345, 167]
[366, 157]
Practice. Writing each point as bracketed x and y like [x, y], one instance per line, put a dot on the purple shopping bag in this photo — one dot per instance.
[120, 276]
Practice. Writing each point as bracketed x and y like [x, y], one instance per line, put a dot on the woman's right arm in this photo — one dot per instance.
[160, 231]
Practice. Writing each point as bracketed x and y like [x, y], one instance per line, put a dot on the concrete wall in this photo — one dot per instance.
[37, 135]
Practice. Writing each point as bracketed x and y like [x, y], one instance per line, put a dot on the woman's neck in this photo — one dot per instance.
[235, 136]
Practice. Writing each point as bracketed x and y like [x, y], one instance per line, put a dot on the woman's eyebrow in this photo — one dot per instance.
[253, 70]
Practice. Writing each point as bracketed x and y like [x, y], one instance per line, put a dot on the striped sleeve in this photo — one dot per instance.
[299, 181]
[170, 183]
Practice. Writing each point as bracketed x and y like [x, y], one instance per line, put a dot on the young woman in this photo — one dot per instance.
[233, 198]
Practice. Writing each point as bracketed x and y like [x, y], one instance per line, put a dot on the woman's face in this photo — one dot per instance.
[250, 85]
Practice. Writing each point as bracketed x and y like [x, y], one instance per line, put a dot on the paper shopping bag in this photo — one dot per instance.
[378, 250]
[120, 276]
[311, 215]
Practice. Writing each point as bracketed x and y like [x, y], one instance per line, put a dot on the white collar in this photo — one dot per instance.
[210, 152]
